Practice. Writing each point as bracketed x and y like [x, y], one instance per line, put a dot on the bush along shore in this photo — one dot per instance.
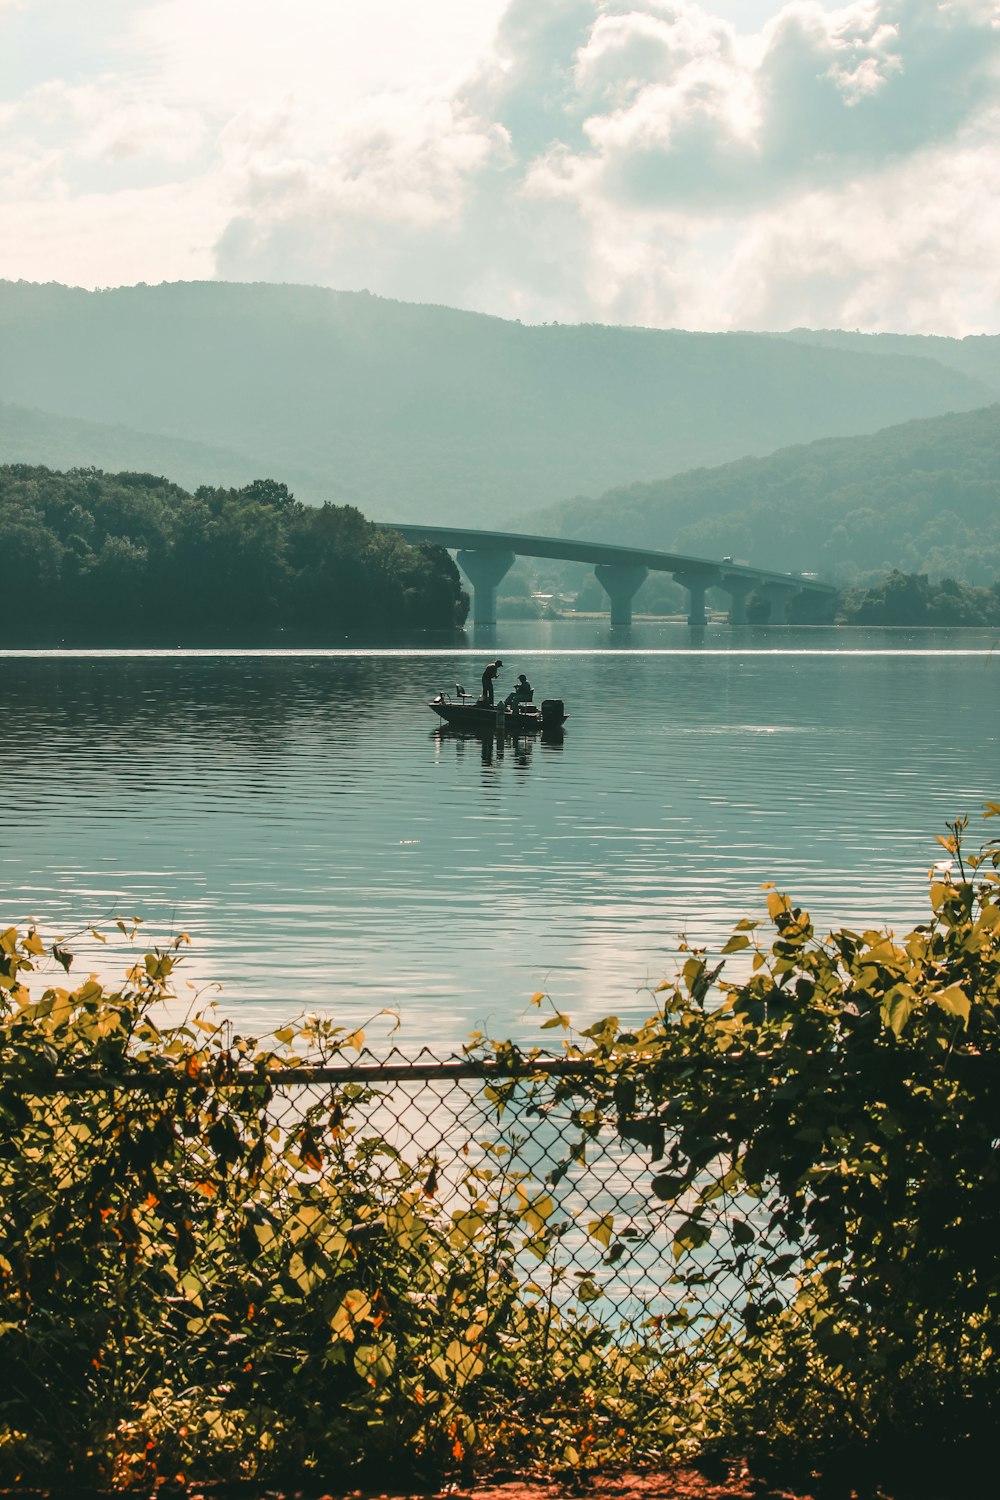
[97, 559]
[224, 1258]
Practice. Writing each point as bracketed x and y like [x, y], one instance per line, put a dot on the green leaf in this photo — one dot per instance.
[667, 1187]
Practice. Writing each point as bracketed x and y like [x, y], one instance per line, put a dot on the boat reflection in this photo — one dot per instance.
[494, 746]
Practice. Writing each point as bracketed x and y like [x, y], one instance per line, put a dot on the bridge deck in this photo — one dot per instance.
[571, 550]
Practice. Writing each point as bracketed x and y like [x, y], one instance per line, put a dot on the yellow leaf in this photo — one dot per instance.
[939, 894]
[897, 1007]
[953, 1000]
[535, 1211]
[537, 997]
[354, 1309]
[886, 953]
[776, 904]
[466, 1226]
[465, 1362]
[602, 1229]
[158, 966]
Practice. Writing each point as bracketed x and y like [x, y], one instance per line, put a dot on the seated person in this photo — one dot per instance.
[520, 694]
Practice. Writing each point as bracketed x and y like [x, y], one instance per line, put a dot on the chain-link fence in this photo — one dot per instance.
[612, 1232]
[185, 1223]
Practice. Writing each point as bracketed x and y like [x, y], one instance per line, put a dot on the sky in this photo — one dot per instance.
[736, 164]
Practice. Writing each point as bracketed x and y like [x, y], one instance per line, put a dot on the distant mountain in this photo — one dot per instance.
[29, 436]
[977, 356]
[923, 497]
[424, 413]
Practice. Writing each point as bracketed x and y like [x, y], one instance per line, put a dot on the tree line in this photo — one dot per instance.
[94, 558]
[913, 599]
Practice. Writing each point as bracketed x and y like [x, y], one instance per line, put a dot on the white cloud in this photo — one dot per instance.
[111, 239]
[626, 160]
[644, 162]
[107, 119]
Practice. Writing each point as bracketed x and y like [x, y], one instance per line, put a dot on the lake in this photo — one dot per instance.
[328, 849]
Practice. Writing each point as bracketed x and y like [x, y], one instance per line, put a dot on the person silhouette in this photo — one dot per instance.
[521, 692]
[490, 675]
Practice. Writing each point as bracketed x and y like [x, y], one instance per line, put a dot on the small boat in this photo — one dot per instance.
[521, 718]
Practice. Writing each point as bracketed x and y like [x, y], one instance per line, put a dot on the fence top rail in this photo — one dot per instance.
[453, 1070]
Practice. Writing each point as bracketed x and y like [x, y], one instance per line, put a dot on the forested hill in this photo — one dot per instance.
[923, 497]
[131, 559]
[30, 436]
[426, 413]
[977, 356]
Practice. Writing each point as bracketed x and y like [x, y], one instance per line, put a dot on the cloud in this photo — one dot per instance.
[645, 162]
[111, 239]
[547, 159]
[59, 136]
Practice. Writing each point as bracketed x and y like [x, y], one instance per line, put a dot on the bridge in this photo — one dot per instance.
[485, 557]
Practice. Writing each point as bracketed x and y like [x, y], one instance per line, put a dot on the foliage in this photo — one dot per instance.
[208, 1271]
[842, 1099]
[99, 558]
[521, 607]
[911, 599]
[202, 1273]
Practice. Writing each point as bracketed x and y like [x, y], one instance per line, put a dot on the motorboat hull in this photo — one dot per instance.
[486, 718]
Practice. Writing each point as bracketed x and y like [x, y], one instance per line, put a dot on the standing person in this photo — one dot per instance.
[489, 677]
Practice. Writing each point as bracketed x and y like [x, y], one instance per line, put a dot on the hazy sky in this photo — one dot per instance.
[739, 164]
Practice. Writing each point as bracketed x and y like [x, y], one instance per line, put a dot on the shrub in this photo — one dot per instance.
[200, 1274]
[205, 1270]
[841, 1102]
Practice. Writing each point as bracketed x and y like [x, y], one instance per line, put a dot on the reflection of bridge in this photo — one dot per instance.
[485, 557]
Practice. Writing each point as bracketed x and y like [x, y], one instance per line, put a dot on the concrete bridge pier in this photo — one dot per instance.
[779, 595]
[697, 585]
[621, 583]
[738, 587]
[484, 570]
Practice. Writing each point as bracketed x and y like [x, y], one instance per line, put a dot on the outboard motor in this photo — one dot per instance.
[553, 712]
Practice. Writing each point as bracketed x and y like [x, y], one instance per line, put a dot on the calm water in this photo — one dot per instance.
[327, 849]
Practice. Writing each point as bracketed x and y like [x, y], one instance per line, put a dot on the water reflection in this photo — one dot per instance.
[328, 847]
[493, 746]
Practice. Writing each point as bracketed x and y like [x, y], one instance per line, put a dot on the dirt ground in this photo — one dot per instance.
[673, 1484]
[677, 1484]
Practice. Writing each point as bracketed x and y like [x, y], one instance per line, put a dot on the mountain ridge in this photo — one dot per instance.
[922, 496]
[417, 412]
